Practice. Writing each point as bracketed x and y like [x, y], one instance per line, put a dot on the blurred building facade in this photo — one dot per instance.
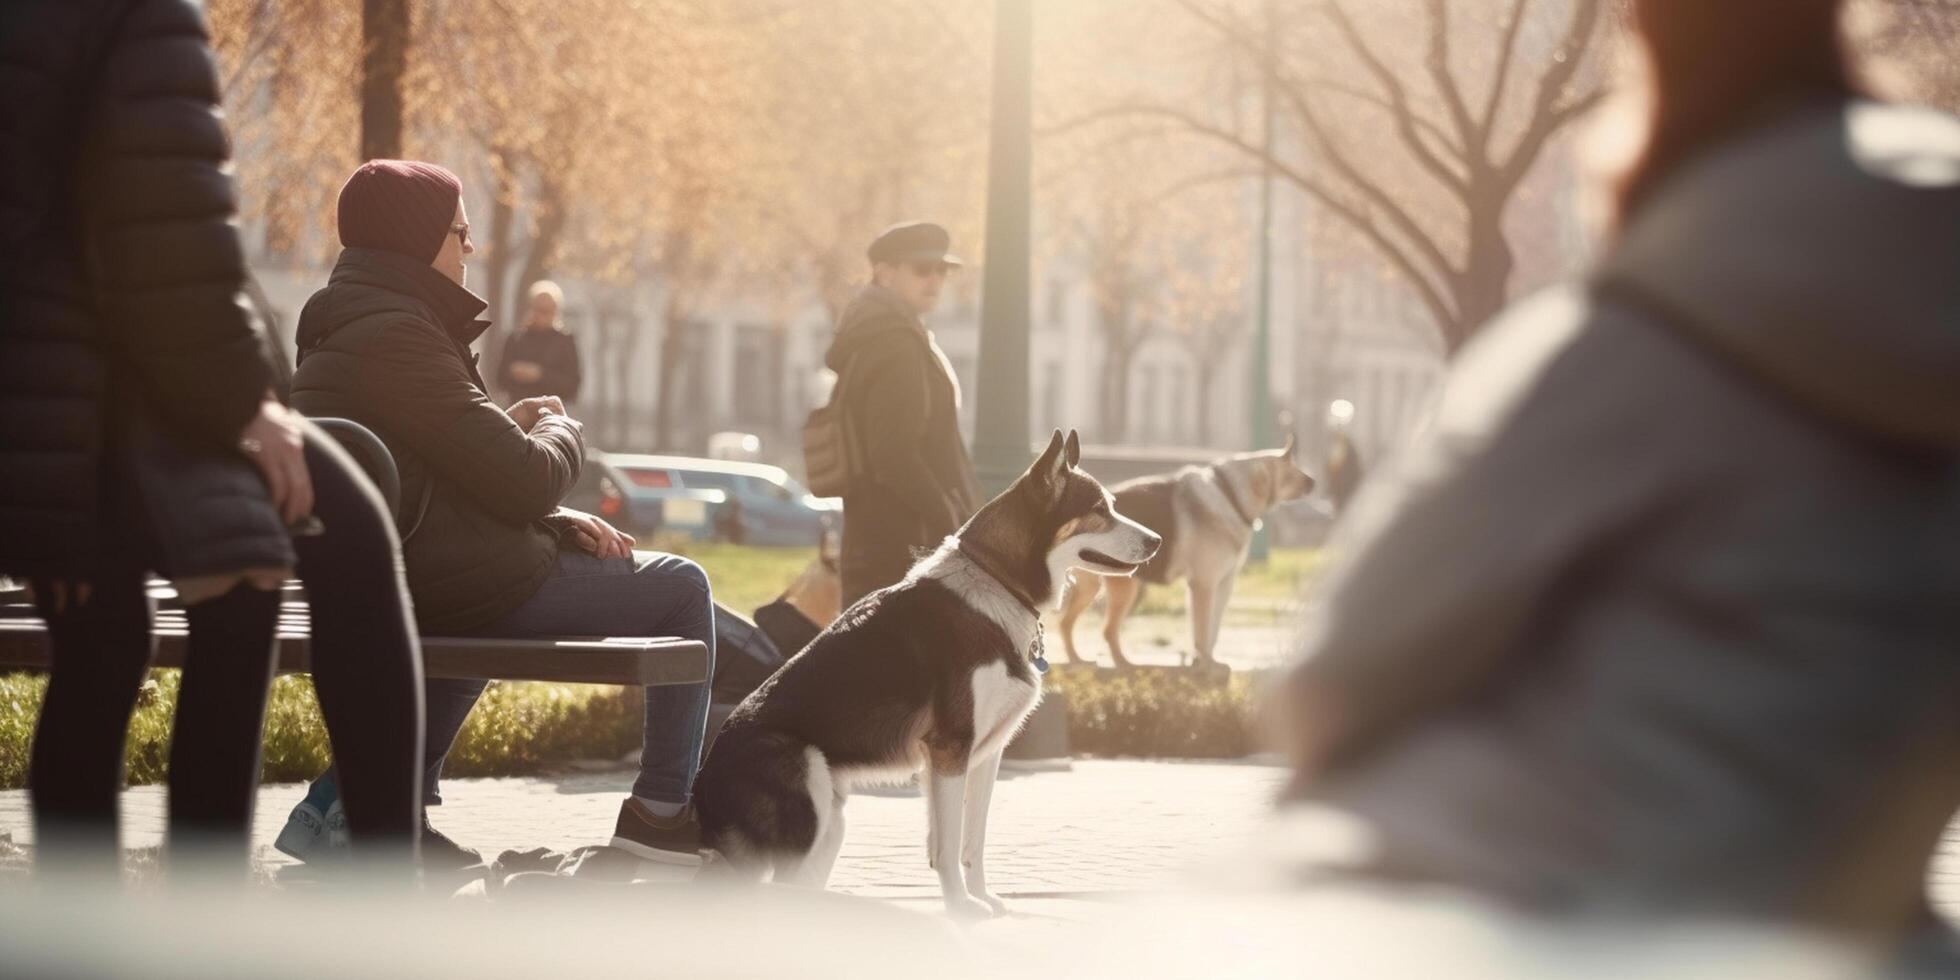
[1343, 328]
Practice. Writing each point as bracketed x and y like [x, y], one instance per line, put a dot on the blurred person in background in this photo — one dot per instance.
[141, 435]
[541, 358]
[1660, 619]
[1344, 467]
[489, 551]
[900, 401]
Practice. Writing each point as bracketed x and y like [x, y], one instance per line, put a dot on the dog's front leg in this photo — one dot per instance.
[1221, 597]
[1203, 593]
[945, 807]
[979, 802]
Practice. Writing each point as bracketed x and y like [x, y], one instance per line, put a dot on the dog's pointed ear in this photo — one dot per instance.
[1048, 469]
[1072, 449]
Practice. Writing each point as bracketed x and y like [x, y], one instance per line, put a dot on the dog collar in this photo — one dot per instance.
[1036, 649]
[1232, 497]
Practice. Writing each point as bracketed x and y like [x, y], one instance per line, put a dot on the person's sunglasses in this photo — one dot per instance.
[926, 270]
[462, 233]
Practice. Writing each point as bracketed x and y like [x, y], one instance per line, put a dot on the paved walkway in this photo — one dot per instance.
[1100, 828]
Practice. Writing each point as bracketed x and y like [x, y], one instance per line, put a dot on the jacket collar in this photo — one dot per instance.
[458, 311]
[873, 315]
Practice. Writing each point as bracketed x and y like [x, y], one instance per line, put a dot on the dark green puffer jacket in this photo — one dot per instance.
[386, 344]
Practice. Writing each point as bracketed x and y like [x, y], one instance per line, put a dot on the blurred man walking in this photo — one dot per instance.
[900, 400]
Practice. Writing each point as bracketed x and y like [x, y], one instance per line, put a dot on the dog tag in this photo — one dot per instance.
[1040, 664]
[1037, 649]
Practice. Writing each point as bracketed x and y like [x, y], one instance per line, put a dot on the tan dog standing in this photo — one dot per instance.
[1205, 515]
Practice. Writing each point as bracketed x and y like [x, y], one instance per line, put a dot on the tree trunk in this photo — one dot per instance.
[497, 269]
[1207, 372]
[675, 353]
[1485, 287]
[544, 244]
[1120, 343]
[622, 366]
[1115, 409]
[384, 40]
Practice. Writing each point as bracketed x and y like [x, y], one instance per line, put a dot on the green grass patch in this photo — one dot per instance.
[745, 578]
[1260, 587]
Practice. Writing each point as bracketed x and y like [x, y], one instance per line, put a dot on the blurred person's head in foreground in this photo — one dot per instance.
[1656, 621]
[546, 299]
[911, 260]
[1710, 69]
[409, 208]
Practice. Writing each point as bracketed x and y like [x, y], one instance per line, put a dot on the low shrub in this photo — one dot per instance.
[524, 728]
[516, 729]
[1158, 712]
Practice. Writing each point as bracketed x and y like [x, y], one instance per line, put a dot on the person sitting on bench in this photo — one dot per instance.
[489, 551]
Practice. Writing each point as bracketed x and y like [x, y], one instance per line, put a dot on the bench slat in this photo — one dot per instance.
[644, 662]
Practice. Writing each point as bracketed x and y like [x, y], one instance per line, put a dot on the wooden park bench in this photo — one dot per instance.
[639, 661]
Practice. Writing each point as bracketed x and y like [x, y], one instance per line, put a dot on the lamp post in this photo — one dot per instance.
[1262, 341]
[1000, 435]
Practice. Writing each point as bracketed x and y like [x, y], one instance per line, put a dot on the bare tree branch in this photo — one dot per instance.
[1506, 54]
[1210, 177]
[1404, 114]
[1567, 58]
[1377, 195]
[1421, 122]
[1564, 115]
[1474, 138]
[1356, 216]
[260, 37]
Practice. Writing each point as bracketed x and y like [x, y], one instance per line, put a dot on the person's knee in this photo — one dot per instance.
[689, 571]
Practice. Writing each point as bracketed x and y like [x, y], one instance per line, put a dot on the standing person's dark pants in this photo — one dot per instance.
[367, 668]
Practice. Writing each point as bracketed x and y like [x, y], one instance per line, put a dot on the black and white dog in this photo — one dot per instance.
[931, 676]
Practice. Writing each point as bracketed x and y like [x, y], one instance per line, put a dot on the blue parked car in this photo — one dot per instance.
[703, 499]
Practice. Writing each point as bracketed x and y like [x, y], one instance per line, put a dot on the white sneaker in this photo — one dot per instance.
[310, 835]
[336, 827]
[304, 834]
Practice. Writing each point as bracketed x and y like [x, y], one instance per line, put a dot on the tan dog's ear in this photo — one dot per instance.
[1072, 449]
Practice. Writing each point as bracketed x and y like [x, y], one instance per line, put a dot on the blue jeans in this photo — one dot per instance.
[650, 594]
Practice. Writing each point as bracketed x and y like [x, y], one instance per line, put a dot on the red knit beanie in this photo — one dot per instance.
[401, 206]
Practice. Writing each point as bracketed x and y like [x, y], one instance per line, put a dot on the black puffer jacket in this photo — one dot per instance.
[120, 275]
[554, 351]
[902, 401]
[386, 344]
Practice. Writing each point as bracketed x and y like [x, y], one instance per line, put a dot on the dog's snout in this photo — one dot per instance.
[1151, 542]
